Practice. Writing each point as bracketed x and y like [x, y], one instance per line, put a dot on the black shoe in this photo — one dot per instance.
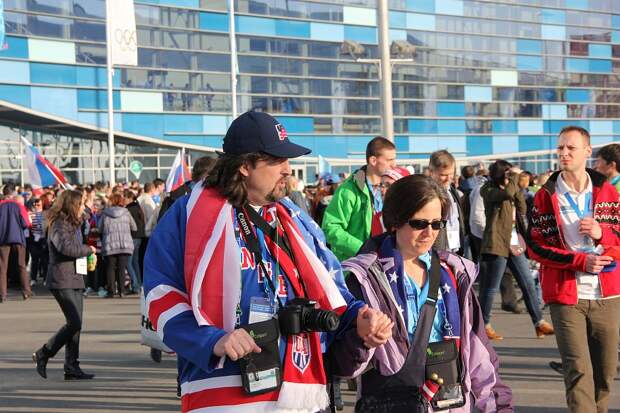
[513, 309]
[40, 358]
[76, 373]
[156, 355]
[79, 376]
[557, 366]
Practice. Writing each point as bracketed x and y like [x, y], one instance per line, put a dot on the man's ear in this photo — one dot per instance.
[372, 160]
[245, 171]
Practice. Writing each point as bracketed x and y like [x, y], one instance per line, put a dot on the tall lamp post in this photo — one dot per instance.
[385, 67]
[385, 64]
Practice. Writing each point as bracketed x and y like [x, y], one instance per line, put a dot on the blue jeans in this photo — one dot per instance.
[492, 268]
[133, 266]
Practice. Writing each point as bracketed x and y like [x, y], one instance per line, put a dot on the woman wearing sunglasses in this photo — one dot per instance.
[394, 272]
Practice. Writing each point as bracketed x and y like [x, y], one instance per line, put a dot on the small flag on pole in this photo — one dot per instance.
[179, 172]
[41, 171]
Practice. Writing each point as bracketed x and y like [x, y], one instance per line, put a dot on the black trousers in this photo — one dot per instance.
[475, 244]
[39, 255]
[71, 302]
[115, 272]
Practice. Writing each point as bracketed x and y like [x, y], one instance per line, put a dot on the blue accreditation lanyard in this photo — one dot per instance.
[587, 211]
[587, 208]
[614, 181]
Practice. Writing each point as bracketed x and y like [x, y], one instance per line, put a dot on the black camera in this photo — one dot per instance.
[300, 315]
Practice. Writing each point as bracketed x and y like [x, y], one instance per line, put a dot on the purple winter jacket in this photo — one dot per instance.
[480, 379]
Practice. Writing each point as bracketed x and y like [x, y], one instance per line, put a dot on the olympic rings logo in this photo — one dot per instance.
[126, 39]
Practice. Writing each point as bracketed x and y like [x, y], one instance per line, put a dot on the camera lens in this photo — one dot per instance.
[320, 320]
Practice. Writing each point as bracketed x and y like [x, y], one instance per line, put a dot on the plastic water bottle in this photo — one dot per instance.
[91, 262]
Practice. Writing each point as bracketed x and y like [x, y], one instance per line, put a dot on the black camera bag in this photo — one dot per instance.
[266, 335]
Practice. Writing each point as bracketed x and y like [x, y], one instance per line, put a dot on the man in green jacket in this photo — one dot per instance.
[348, 218]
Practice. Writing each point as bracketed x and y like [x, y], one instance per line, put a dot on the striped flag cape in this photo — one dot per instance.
[42, 172]
[213, 281]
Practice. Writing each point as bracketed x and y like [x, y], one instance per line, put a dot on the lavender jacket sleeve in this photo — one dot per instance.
[490, 394]
[348, 355]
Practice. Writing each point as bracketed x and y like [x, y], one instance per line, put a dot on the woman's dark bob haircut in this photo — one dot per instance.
[407, 196]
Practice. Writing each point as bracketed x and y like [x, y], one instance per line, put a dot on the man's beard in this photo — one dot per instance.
[276, 194]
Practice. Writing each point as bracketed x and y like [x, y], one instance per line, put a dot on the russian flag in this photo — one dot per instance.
[179, 173]
[42, 172]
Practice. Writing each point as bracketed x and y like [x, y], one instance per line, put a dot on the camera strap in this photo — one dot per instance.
[264, 226]
[260, 222]
[416, 358]
[254, 246]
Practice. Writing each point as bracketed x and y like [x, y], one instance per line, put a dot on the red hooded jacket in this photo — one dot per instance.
[546, 243]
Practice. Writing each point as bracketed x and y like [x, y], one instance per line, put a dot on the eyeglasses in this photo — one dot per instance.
[420, 224]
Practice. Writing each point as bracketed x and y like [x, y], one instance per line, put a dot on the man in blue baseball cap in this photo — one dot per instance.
[229, 256]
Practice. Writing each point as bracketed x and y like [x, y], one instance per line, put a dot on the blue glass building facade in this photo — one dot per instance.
[489, 78]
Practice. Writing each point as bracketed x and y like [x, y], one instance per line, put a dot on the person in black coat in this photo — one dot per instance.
[133, 267]
[65, 279]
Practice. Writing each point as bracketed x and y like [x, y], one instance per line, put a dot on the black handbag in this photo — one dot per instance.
[396, 400]
[442, 360]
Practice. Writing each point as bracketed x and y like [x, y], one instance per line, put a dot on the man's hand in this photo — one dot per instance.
[374, 327]
[235, 345]
[595, 263]
[590, 227]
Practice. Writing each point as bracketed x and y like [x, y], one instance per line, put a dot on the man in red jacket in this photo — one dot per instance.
[575, 218]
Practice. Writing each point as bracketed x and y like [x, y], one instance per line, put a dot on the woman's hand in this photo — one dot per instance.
[374, 327]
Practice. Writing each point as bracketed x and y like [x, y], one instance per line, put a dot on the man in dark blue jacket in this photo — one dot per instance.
[12, 240]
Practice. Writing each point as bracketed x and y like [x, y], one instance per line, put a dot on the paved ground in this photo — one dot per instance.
[129, 381]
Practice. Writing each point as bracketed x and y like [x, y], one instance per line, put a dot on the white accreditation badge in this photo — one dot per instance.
[81, 266]
[261, 309]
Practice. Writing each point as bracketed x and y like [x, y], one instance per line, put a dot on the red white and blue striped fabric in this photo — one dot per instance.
[41, 171]
[179, 173]
[193, 305]
[212, 275]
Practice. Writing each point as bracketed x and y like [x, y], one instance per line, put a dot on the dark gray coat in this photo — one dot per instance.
[65, 246]
[115, 227]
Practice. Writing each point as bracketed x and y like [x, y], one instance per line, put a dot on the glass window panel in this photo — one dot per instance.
[214, 62]
[327, 69]
[149, 15]
[92, 54]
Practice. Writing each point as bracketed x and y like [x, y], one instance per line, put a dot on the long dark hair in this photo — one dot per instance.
[226, 177]
[497, 171]
[66, 208]
[407, 196]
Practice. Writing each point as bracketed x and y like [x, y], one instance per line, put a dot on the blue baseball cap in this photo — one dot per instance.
[260, 132]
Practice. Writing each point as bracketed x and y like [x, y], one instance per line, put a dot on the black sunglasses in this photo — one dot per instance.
[420, 224]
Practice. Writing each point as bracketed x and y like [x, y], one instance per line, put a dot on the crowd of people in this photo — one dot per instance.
[270, 291]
